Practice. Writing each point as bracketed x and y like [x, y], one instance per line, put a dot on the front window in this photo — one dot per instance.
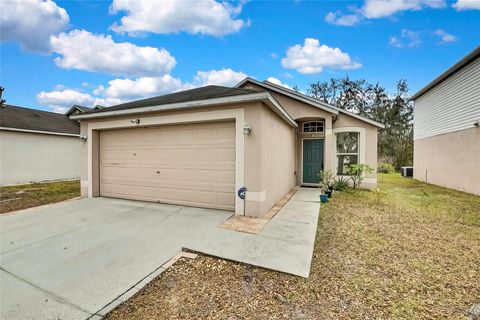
[313, 126]
[347, 150]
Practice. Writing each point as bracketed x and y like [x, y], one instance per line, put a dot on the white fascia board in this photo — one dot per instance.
[278, 109]
[290, 93]
[301, 97]
[175, 106]
[41, 132]
[372, 122]
[261, 96]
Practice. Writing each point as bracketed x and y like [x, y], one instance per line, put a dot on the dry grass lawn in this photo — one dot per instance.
[411, 251]
[36, 194]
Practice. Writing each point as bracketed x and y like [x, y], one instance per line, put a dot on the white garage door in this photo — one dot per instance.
[191, 164]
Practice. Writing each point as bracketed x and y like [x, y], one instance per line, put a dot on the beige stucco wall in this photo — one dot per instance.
[370, 135]
[301, 112]
[269, 154]
[450, 160]
[34, 157]
[277, 158]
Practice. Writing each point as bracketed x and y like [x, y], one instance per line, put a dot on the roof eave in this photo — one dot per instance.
[318, 104]
[55, 133]
[446, 74]
[260, 96]
[291, 94]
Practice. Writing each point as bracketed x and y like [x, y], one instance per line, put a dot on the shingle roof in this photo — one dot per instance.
[76, 108]
[203, 93]
[38, 120]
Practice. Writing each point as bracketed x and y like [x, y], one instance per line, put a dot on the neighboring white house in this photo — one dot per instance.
[37, 146]
[447, 128]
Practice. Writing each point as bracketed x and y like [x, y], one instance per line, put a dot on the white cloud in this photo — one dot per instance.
[444, 36]
[80, 49]
[123, 90]
[144, 87]
[61, 100]
[338, 19]
[278, 82]
[467, 5]
[201, 16]
[393, 41]
[408, 38]
[375, 9]
[223, 77]
[31, 23]
[312, 58]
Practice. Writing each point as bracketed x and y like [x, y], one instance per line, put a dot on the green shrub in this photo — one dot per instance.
[356, 172]
[340, 183]
[384, 167]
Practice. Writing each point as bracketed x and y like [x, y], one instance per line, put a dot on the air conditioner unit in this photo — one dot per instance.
[406, 171]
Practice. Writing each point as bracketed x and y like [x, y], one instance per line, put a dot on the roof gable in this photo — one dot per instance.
[306, 99]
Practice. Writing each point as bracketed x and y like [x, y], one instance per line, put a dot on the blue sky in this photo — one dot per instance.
[107, 52]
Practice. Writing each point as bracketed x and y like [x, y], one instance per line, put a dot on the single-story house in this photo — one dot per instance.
[201, 147]
[447, 128]
[37, 146]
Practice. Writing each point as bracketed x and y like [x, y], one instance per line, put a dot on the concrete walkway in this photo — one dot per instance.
[79, 259]
[285, 244]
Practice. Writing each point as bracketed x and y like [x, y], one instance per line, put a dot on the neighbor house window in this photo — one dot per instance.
[347, 150]
[313, 126]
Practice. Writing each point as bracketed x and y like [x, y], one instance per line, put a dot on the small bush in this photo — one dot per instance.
[385, 168]
[340, 183]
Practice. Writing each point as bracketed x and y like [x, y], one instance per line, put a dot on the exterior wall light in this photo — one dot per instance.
[477, 123]
[83, 138]
[246, 129]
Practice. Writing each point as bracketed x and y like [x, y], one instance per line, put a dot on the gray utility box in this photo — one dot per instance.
[406, 171]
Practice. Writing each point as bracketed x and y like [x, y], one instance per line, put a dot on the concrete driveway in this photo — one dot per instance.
[70, 260]
[79, 259]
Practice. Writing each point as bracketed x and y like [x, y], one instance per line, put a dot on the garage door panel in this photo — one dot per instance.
[203, 198]
[184, 164]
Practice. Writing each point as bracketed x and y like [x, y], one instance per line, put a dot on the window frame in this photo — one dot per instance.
[316, 126]
[337, 154]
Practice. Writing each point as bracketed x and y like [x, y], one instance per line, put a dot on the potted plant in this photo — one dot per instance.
[326, 184]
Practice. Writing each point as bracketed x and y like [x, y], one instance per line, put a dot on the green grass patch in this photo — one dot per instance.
[19, 197]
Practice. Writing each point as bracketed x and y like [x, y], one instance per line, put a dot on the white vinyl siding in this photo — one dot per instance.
[452, 105]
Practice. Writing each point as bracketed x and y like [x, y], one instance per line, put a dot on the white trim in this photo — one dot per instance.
[306, 99]
[362, 145]
[290, 93]
[301, 161]
[310, 121]
[41, 132]
[257, 196]
[237, 114]
[261, 96]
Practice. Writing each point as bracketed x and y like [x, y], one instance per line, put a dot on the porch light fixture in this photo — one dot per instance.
[83, 138]
[246, 129]
[477, 123]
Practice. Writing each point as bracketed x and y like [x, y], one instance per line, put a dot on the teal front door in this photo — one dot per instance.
[312, 160]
